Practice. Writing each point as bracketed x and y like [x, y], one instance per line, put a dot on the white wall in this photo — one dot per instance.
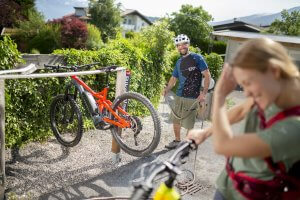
[233, 45]
[135, 20]
[80, 12]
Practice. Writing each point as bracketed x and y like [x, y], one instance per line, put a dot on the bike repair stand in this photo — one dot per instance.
[124, 78]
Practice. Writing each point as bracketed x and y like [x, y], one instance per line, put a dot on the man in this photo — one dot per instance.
[188, 70]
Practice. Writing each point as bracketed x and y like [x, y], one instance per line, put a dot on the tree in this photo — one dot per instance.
[94, 37]
[106, 16]
[289, 25]
[73, 32]
[13, 11]
[192, 21]
[29, 28]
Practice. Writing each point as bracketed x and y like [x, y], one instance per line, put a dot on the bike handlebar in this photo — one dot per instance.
[76, 67]
[143, 190]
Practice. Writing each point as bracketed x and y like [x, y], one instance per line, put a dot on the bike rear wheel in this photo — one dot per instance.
[66, 120]
[143, 135]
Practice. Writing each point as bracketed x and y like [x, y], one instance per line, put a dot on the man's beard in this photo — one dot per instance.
[184, 53]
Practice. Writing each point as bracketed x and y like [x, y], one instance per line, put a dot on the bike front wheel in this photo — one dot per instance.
[66, 120]
[143, 135]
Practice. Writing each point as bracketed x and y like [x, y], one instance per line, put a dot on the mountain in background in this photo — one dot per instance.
[258, 19]
[153, 19]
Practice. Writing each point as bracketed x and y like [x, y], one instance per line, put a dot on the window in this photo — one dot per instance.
[129, 21]
[125, 21]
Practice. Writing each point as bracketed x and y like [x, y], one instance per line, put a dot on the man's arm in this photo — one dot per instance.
[170, 85]
[207, 78]
[203, 93]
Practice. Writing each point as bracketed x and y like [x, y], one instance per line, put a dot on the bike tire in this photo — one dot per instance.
[152, 121]
[71, 120]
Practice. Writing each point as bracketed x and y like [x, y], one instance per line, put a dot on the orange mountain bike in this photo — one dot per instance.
[132, 119]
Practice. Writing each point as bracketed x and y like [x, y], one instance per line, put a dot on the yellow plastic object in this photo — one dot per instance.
[165, 193]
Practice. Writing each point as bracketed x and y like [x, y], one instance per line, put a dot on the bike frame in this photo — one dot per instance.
[103, 102]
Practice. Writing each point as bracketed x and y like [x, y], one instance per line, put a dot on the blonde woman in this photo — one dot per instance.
[263, 162]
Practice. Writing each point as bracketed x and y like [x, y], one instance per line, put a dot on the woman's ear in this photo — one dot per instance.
[275, 69]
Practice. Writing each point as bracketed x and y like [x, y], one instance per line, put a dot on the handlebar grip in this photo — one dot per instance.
[140, 193]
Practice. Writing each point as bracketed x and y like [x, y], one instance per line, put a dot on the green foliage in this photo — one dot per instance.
[155, 42]
[34, 51]
[192, 21]
[106, 16]
[26, 101]
[13, 11]
[94, 40]
[9, 55]
[28, 29]
[215, 64]
[31, 27]
[219, 47]
[289, 25]
[47, 40]
[130, 34]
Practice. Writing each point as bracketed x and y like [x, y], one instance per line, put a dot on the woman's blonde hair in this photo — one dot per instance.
[258, 54]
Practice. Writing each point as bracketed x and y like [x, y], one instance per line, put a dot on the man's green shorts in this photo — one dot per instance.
[184, 108]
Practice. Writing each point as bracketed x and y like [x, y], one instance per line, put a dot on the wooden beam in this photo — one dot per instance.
[120, 89]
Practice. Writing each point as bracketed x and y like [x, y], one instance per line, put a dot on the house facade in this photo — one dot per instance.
[236, 38]
[133, 20]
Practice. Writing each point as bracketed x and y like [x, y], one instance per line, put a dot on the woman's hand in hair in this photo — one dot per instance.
[226, 83]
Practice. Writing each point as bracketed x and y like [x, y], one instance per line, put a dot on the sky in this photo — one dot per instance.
[219, 9]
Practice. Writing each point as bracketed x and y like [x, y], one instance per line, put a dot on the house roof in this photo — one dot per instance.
[237, 26]
[290, 40]
[135, 12]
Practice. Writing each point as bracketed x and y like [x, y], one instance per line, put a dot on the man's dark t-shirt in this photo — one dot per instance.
[188, 70]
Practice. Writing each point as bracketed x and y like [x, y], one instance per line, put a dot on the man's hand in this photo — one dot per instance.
[201, 97]
[198, 135]
[165, 91]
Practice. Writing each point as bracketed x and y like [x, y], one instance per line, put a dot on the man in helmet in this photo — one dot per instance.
[189, 70]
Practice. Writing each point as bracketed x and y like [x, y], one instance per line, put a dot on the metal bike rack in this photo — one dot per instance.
[27, 72]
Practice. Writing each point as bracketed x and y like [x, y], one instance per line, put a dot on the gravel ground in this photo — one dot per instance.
[50, 171]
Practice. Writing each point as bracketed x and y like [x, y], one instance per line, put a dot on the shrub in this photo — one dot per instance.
[9, 54]
[73, 32]
[155, 43]
[215, 64]
[94, 40]
[47, 40]
[130, 34]
[219, 47]
[28, 29]
[25, 101]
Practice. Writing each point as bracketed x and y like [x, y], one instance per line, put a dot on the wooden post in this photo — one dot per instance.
[120, 89]
[2, 138]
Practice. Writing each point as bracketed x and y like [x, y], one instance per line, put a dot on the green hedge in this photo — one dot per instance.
[26, 101]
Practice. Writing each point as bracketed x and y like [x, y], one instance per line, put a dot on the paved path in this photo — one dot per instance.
[49, 171]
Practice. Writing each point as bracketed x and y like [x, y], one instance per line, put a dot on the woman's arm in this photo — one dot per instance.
[235, 114]
[246, 145]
